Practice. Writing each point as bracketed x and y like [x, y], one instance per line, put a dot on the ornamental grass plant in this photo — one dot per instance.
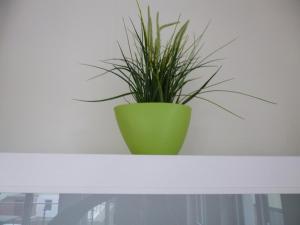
[159, 71]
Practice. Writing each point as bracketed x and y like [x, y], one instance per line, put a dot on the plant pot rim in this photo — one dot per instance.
[153, 103]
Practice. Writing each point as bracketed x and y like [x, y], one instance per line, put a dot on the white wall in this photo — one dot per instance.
[43, 42]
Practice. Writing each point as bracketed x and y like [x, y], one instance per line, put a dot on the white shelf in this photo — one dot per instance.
[132, 174]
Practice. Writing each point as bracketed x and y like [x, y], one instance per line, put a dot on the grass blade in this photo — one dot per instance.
[200, 89]
[221, 107]
[221, 82]
[106, 99]
[241, 93]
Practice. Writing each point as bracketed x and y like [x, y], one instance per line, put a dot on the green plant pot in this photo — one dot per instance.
[153, 128]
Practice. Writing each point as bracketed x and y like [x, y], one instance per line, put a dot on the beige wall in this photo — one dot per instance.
[43, 42]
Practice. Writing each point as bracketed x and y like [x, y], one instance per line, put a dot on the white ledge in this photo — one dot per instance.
[132, 174]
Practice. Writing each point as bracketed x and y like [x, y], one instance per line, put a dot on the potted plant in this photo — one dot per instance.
[156, 73]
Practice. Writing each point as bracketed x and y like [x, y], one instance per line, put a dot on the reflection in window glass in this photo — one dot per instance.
[97, 209]
[274, 201]
[37, 209]
[97, 214]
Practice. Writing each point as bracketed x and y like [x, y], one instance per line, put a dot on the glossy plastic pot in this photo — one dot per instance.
[153, 128]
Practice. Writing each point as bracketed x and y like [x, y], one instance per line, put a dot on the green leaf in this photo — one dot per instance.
[200, 89]
[106, 99]
[215, 84]
[217, 50]
[240, 93]
[168, 25]
[221, 107]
